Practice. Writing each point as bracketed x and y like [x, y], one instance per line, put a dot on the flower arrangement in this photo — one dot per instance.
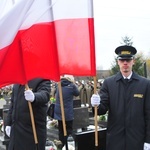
[52, 99]
[103, 117]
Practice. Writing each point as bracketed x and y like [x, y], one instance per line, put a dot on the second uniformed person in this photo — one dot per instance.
[126, 97]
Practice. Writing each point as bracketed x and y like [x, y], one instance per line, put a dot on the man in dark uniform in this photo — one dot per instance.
[126, 97]
[18, 125]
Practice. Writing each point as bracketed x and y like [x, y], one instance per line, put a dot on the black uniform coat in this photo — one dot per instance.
[129, 112]
[21, 137]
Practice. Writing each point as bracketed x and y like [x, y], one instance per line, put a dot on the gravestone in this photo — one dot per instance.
[81, 118]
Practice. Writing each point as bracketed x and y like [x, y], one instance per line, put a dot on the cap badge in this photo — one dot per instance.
[125, 52]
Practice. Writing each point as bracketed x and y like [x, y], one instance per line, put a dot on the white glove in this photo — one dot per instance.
[7, 130]
[29, 95]
[146, 146]
[95, 100]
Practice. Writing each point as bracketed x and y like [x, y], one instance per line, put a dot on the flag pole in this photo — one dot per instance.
[63, 114]
[32, 120]
[95, 115]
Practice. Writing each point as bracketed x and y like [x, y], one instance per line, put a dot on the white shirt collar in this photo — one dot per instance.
[128, 76]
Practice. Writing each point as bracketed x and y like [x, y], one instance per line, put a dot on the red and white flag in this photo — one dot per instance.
[46, 39]
[27, 44]
[74, 28]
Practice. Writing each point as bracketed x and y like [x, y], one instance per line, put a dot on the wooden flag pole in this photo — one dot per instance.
[62, 113]
[32, 119]
[95, 114]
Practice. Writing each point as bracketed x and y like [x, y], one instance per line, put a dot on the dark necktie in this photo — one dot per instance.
[126, 80]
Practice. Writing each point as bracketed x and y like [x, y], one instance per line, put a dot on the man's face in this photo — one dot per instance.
[126, 65]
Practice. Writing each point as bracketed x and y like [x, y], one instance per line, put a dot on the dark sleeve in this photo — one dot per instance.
[42, 93]
[75, 90]
[147, 114]
[104, 95]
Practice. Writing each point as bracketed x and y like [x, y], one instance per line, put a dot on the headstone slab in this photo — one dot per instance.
[81, 117]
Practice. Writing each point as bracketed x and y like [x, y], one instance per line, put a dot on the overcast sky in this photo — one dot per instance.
[115, 19]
